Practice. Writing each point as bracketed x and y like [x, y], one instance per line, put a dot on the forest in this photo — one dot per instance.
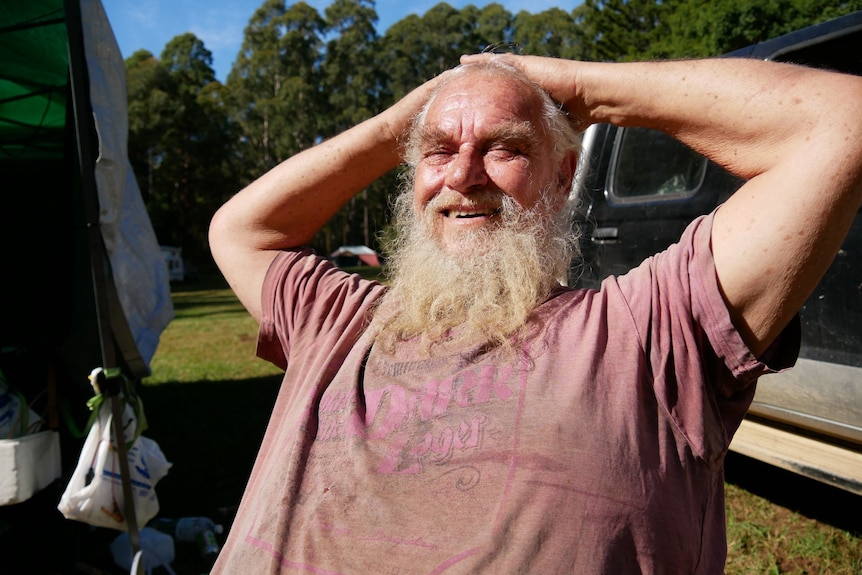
[301, 77]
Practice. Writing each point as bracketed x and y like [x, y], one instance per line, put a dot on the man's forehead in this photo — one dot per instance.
[504, 129]
[495, 104]
[474, 88]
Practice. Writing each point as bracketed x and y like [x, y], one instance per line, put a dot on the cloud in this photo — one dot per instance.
[220, 30]
[145, 13]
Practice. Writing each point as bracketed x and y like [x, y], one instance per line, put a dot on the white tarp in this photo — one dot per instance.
[139, 271]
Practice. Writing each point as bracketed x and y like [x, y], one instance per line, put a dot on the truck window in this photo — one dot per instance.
[648, 166]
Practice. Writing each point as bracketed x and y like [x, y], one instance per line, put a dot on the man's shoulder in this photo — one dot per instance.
[303, 265]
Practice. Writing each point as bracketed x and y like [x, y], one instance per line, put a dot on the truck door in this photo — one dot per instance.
[639, 189]
[643, 192]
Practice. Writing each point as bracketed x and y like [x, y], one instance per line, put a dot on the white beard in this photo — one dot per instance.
[478, 292]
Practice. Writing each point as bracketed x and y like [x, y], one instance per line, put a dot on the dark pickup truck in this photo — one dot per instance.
[640, 188]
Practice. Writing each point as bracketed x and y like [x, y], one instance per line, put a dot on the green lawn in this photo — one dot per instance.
[209, 399]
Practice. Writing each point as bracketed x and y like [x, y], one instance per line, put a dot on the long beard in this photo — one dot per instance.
[479, 292]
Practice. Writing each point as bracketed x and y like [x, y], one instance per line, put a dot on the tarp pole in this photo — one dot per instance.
[83, 115]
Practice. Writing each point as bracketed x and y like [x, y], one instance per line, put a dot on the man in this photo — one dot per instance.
[477, 417]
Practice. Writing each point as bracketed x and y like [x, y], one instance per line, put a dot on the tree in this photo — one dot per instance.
[149, 105]
[417, 49]
[698, 29]
[493, 24]
[553, 32]
[619, 30]
[350, 74]
[352, 82]
[178, 140]
[624, 29]
[274, 86]
[193, 147]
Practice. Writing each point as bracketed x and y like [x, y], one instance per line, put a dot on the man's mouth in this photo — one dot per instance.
[461, 213]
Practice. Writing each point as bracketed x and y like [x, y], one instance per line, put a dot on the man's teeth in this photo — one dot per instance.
[469, 213]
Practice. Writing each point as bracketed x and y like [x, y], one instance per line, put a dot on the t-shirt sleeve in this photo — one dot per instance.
[688, 337]
[711, 313]
[306, 298]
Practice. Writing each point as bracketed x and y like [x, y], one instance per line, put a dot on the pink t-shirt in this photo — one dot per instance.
[597, 448]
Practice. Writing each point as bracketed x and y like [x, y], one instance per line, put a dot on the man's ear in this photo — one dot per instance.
[568, 165]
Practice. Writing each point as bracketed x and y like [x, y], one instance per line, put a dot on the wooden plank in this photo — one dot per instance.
[824, 462]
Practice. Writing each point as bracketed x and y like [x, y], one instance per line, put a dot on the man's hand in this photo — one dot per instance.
[557, 76]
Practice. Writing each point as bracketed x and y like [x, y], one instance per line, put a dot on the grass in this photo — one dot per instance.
[212, 338]
[766, 538]
[209, 400]
[779, 522]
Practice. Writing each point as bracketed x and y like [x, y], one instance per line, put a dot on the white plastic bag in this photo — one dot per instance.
[95, 491]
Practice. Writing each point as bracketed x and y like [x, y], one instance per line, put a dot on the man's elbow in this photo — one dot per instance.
[218, 234]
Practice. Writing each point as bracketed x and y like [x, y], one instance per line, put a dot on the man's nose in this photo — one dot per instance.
[467, 171]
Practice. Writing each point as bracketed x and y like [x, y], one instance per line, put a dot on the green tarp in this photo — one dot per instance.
[34, 63]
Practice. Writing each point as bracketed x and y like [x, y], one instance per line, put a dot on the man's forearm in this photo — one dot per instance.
[794, 132]
[285, 207]
[745, 115]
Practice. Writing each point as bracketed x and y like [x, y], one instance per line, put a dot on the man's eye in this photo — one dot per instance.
[505, 152]
[436, 154]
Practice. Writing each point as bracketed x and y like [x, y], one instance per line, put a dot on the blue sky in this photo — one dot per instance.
[150, 24]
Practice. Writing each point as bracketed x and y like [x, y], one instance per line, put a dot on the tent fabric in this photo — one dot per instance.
[139, 270]
[365, 254]
[34, 98]
[34, 64]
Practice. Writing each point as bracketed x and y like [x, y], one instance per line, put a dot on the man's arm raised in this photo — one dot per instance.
[794, 132]
[285, 207]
